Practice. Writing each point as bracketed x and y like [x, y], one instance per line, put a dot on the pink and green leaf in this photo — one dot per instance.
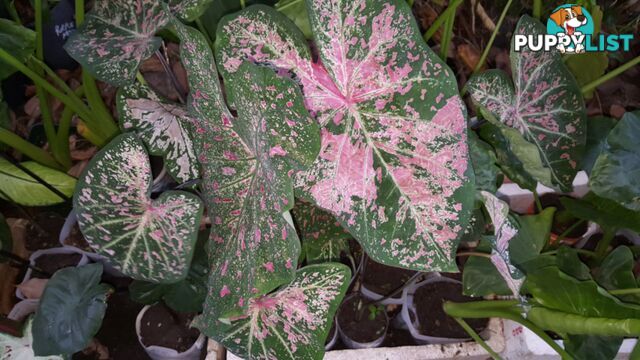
[188, 10]
[291, 323]
[248, 163]
[164, 127]
[543, 103]
[147, 239]
[393, 167]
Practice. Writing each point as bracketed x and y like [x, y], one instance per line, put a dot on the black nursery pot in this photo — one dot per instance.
[380, 280]
[357, 330]
[332, 338]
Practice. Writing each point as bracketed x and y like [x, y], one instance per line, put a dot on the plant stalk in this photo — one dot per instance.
[537, 9]
[477, 338]
[569, 230]
[603, 244]
[610, 75]
[474, 253]
[36, 153]
[487, 48]
[631, 291]
[441, 19]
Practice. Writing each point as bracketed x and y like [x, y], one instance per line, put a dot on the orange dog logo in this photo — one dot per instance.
[569, 19]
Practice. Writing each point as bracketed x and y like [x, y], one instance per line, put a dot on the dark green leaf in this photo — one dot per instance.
[588, 67]
[593, 347]
[568, 262]
[616, 173]
[18, 41]
[296, 10]
[484, 162]
[70, 311]
[606, 213]
[598, 127]
[533, 235]
[616, 272]
[23, 189]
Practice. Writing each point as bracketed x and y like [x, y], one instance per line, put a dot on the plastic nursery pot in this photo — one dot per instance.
[23, 309]
[380, 280]
[424, 316]
[156, 324]
[332, 338]
[52, 260]
[357, 329]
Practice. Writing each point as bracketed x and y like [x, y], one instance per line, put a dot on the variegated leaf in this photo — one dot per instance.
[248, 163]
[188, 10]
[504, 230]
[291, 323]
[164, 127]
[20, 348]
[116, 37]
[393, 167]
[147, 239]
[323, 239]
[544, 105]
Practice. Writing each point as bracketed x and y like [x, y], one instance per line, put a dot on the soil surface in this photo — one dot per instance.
[51, 263]
[433, 321]
[562, 220]
[384, 279]
[76, 239]
[43, 232]
[364, 329]
[163, 327]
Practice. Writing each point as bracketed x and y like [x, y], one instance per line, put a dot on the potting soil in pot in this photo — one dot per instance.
[384, 279]
[363, 328]
[433, 321]
[42, 233]
[50, 263]
[161, 326]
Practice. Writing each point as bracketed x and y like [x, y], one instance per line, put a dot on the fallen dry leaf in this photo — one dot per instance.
[469, 56]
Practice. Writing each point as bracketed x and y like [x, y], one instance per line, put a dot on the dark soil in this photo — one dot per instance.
[161, 326]
[357, 324]
[433, 321]
[51, 263]
[76, 239]
[384, 279]
[118, 330]
[562, 220]
[43, 231]
[618, 240]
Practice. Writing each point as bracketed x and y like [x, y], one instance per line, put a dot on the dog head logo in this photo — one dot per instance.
[571, 21]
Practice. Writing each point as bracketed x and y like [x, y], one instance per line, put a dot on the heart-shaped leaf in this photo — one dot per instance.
[248, 163]
[616, 272]
[116, 37]
[20, 348]
[544, 105]
[188, 10]
[291, 323]
[616, 173]
[147, 239]
[323, 239]
[70, 311]
[394, 161]
[164, 127]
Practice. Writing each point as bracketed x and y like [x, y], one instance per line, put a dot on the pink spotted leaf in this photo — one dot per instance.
[163, 126]
[147, 239]
[248, 163]
[543, 104]
[393, 166]
[291, 323]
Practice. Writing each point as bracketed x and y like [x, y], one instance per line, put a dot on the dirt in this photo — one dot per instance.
[43, 232]
[433, 321]
[161, 326]
[364, 329]
[384, 279]
[562, 220]
[76, 239]
[51, 263]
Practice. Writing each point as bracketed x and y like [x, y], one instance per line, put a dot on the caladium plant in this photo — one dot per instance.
[543, 105]
[393, 166]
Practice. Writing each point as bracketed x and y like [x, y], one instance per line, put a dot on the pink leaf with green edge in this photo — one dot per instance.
[248, 163]
[545, 106]
[504, 230]
[323, 239]
[164, 127]
[393, 167]
[291, 323]
[147, 239]
[116, 37]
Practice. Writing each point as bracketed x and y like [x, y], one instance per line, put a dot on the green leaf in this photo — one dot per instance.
[70, 311]
[593, 347]
[189, 10]
[164, 127]
[616, 272]
[22, 189]
[6, 242]
[545, 106]
[568, 262]
[598, 127]
[291, 323]
[116, 37]
[147, 239]
[323, 239]
[20, 348]
[533, 235]
[606, 213]
[394, 166]
[213, 14]
[588, 67]
[248, 163]
[18, 41]
[296, 10]
[616, 173]
[484, 162]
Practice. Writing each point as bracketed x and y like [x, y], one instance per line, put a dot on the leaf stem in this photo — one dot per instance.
[537, 9]
[474, 335]
[243, 4]
[536, 198]
[447, 35]
[624, 291]
[487, 48]
[603, 244]
[569, 230]
[37, 154]
[441, 19]
[474, 253]
[610, 75]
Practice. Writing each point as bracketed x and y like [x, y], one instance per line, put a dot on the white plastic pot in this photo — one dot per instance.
[53, 251]
[409, 307]
[163, 353]
[372, 295]
[22, 309]
[334, 337]
[353, 344]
